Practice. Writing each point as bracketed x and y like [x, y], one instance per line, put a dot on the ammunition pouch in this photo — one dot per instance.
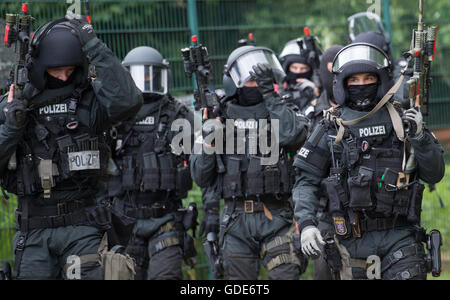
[232, 179]
[255, 177]
[150, 178]
[128, 173]
[271, 180]
[183, 180]
[117, 265]
[359, 188]
[167, 169]
[247, 176]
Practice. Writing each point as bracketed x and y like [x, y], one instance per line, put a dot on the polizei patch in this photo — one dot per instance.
[372, 131]
[147, 121]
[251, 124]
[304, 152]
[53, 109]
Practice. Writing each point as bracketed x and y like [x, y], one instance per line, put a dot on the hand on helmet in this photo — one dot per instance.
[309, 238]
[263, 74]
[83, 30]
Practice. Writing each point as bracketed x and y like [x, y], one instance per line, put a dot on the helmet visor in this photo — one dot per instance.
[360, 52]
[291, 48]
[150, 79]
[364, 22]
[240, 70]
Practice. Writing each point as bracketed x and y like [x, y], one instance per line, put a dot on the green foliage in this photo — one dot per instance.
[7, 227]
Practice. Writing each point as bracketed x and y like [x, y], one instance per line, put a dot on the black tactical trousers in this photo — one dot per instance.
[243, 238]
[321, 268]
[157, 248]
[402, 257]
[53, 253]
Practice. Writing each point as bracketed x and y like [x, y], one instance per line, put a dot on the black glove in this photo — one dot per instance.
[264, 77]
[83, 30]
[210, 223]
[15, 113]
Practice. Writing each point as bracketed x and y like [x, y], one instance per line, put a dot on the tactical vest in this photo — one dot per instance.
[144, 157]
[367, 174]
[244, 176]
[59, 150]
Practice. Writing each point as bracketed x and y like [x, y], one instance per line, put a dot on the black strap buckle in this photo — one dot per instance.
[61, 208]
[20, 245]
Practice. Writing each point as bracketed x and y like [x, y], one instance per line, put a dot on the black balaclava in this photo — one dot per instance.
[362, 97]
[291, 78]
[151, 97]
[249, 96]
[55, 83]
[325, 75]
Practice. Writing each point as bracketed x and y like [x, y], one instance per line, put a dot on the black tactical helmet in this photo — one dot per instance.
[375, 38]
[54, 45]
[295, 51]
[241, 62]
[360, 58]
[149, 69]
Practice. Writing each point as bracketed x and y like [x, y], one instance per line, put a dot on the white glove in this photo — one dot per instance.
[414, 116]
[309, 238]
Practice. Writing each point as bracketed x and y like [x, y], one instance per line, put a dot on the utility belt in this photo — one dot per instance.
[62, 208]
[156, 210]
[99, 217]
[250, 206]
[247, 176]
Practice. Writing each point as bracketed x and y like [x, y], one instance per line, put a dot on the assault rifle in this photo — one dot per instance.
[311, 44]
[196, 62]
[17, 33]
[423, 51]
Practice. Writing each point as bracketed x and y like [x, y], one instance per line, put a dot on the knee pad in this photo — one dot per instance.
[165, 240]
[280, 251]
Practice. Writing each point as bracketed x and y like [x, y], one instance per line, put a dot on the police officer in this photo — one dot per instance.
[298, 63]
[257, 219]
[373, 171]
[59, 149]
[153, 177]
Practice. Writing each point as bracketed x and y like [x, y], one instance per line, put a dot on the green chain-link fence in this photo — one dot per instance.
[168, 24]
